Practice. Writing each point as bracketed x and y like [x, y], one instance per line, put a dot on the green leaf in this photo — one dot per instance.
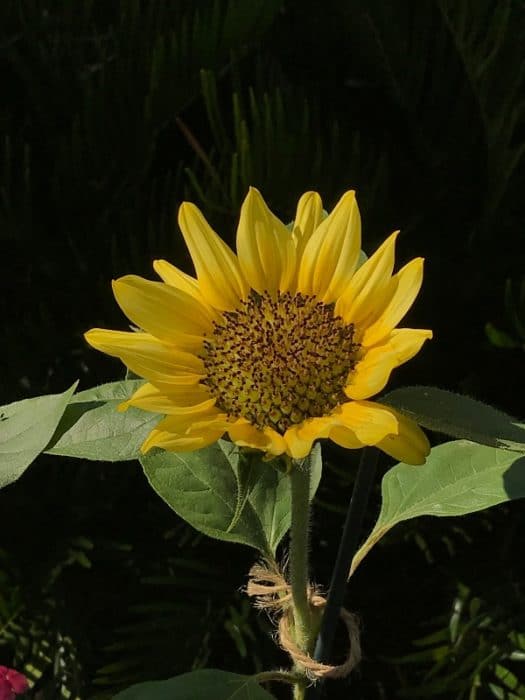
[363, 257]
[25, 429]
[499, 338]
[92, 427]
[458, 477]
[113, 391]
[202, 487]
[102, 433]
[271, 498]
[246, 470]
[205, 684]
[458, 416]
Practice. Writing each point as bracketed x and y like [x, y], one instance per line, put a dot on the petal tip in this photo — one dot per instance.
[146, 445]
[89, 335]
[94, 338]
[121, 282]
[187, 210]
[254, 198]
[348, 198]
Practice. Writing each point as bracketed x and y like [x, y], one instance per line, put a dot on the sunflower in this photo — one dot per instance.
[277, 346]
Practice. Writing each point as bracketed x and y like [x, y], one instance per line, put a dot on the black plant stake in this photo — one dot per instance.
[347, 549]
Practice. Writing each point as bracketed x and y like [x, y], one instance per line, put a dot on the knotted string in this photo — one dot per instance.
[272, 593]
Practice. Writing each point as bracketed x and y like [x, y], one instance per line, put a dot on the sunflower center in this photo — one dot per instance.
[279, 361]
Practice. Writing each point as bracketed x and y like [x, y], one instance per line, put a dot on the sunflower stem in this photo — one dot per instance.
[300, 483]
[347, 549]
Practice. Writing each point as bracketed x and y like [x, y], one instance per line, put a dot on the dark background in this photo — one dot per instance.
[111, 114]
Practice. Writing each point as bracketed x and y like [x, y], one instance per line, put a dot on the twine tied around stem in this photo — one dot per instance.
[272, 593]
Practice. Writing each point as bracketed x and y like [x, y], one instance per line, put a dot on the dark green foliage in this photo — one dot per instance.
[476, 651]
[113, 113]
[140, 598]
[32, 623]
[514, 300]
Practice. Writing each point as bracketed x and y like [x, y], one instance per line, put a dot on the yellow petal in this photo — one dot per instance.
[163, 357]
[186, 283]
[368, 422]
[372, 373]
[308, 216]
[221, 281]
[243, 433]
[300, 438]
[177, 278]
[331, 254]
[360, 423]
[352, 425]
[407, 342]
[265, 246]
[365, 292]
[165, 312]
[182, 400]
[297, 447]
[410, 445]
[344, 437]
[167, 435]
[403, 289]
[146, 356]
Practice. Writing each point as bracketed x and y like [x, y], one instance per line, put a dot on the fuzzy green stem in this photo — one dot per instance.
[299, 690]
[300, 482]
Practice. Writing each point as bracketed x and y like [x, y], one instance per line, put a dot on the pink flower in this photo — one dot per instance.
[12, 683]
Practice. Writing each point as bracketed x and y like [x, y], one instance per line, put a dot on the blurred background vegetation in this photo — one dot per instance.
[112, 113]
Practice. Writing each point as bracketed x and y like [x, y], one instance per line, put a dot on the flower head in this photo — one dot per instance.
[12, 683]
[277, 346]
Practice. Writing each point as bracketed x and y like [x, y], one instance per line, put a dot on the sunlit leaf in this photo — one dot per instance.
[25, 429]
[92, 427]
[202, 488]
[108, 392]
[458, 477]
